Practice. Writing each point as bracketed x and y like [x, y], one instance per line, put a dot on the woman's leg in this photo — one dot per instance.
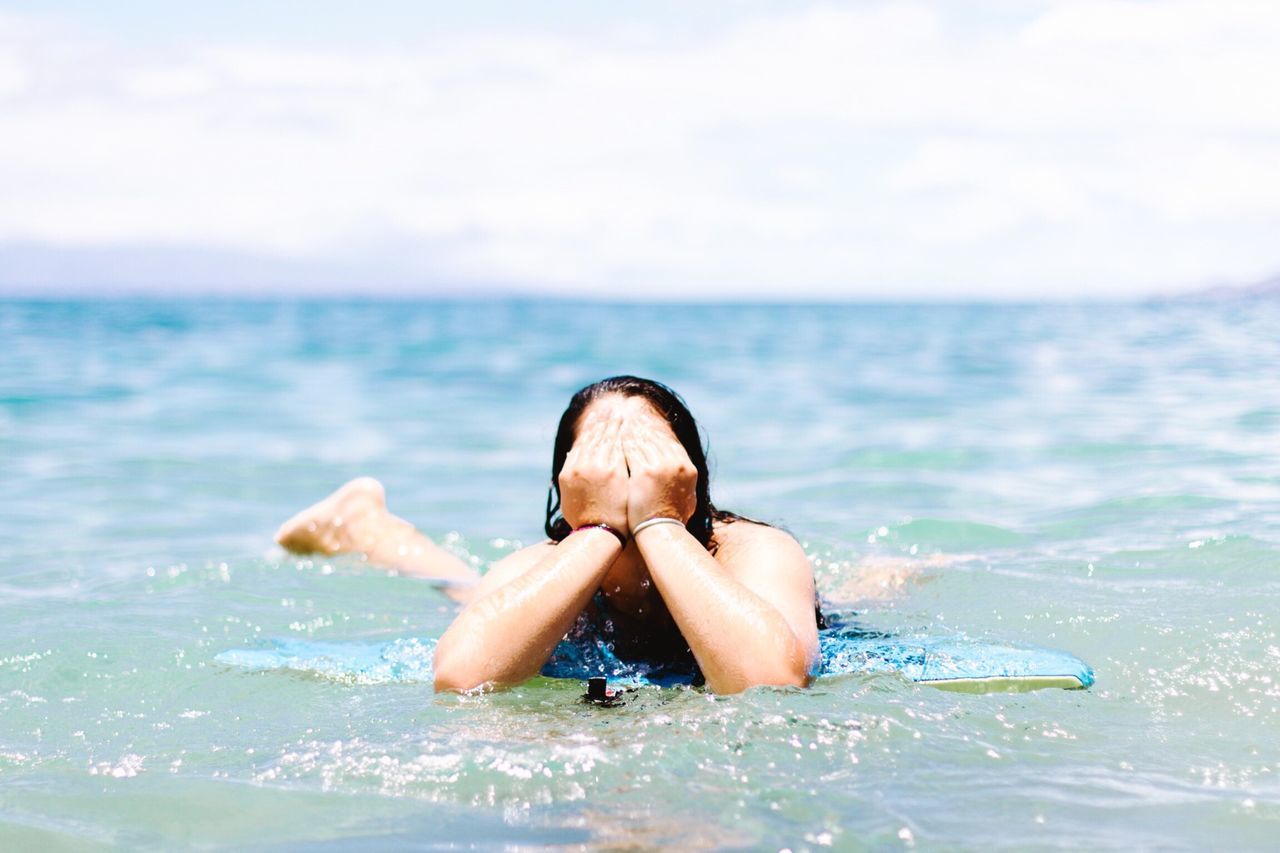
[878, 577]
[354, 519]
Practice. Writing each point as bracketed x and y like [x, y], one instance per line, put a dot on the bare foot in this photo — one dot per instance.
[338, 524]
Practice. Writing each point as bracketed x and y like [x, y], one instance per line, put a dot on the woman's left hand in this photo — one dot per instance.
[663, 481]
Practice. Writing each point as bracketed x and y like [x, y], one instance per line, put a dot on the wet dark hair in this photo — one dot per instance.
[674, 412]
[673, 409]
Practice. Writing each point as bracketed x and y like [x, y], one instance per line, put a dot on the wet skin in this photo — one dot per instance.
[746, 612]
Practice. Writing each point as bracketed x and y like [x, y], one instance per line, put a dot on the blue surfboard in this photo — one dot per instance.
[952, 663]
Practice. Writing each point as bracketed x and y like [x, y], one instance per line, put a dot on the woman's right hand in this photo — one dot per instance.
[593, 481]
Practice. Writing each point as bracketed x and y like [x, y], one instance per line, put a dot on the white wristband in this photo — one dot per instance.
[651, 522]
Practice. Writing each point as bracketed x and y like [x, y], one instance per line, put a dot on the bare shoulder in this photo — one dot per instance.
[763, 557]
[773, 565]
[739, 540]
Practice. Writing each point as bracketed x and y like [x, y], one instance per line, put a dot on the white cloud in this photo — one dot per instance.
[876, 150]
[13, 77]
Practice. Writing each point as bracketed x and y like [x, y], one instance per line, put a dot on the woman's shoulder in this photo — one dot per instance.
[733, 536]
[771, 563]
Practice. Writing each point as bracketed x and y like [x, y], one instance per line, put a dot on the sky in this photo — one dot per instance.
[991, 149]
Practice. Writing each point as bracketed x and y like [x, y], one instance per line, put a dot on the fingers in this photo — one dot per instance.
[583, 442]
[611, 441]
[675, 451]
[661, 453]
[585, 451]
[589, 427]
[647, 445]
[643, 427]
[610, 447]
[636, 447]
[592, 433]
[657, 433]
[597, 450]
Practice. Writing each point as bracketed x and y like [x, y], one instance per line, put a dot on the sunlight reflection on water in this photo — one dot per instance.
[1109, 477]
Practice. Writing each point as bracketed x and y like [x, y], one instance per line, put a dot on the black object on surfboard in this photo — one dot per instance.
[599, 692]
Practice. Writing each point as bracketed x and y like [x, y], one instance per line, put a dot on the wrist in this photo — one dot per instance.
[657, 521]
[602, 526]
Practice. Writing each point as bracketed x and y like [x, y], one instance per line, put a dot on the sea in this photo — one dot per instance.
[1100, 479]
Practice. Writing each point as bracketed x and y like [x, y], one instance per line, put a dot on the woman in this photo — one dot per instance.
[633, 542]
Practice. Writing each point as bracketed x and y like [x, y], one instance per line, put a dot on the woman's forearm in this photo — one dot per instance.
[739, 639]
[505, 637]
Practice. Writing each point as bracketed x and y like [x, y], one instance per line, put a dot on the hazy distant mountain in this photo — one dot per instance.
[37, 269]
[1267, 288]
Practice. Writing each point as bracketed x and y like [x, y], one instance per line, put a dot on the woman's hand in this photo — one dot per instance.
[593, 481]
[663, 480]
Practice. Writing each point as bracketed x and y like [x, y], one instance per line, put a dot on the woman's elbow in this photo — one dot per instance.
[461, 681]
[794, 671]
[446, 677]
[448, 681]
[794, 666]
[790, 671]
[452, 671]
[463, 668]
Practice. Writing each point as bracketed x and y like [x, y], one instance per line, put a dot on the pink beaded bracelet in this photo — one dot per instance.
[622, 540]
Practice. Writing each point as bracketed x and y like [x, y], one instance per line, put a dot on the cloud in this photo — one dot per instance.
[872, 150]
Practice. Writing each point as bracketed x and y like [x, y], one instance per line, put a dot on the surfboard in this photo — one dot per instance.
[956, 663]
[949, 663]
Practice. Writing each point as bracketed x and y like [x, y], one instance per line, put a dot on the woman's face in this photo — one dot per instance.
[634, 411]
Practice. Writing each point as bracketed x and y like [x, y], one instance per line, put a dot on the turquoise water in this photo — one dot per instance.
[1109, 474]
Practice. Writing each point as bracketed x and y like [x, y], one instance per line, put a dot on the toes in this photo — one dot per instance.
[290, 536]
